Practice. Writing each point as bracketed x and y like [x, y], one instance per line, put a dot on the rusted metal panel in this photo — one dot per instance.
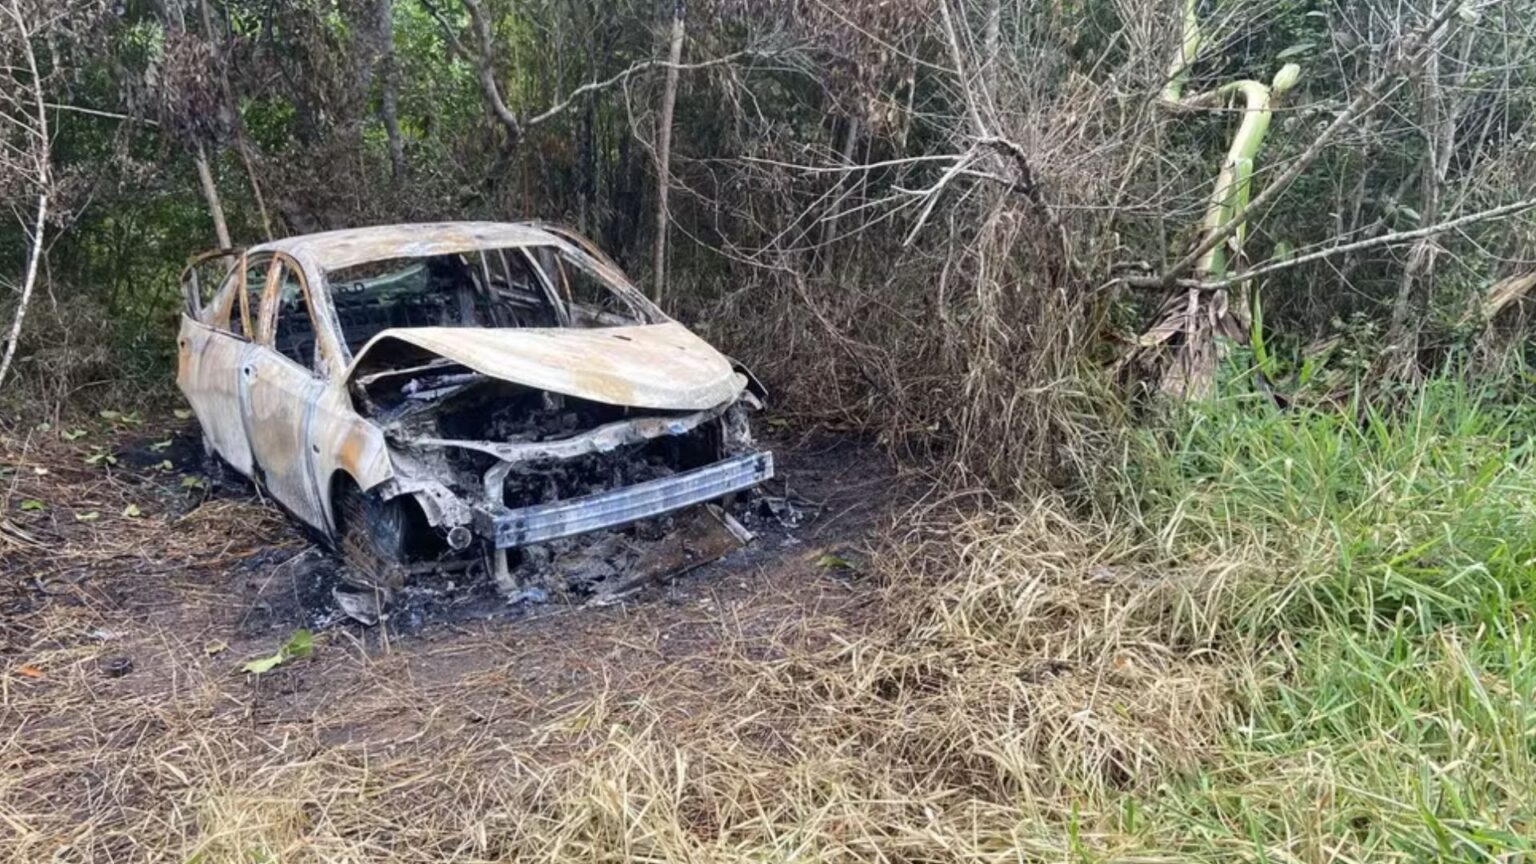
[340, 441]
[603, 439]
[279, 401]
[658, 366]
[544, 522]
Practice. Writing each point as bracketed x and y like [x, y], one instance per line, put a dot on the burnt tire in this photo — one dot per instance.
[371, 537]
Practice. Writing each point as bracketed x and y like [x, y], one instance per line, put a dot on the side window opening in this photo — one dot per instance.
[248, 306]
[222, 309]
[294, 323]
[211, 286]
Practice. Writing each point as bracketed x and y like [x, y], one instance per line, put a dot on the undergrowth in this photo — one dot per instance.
[1298, 635]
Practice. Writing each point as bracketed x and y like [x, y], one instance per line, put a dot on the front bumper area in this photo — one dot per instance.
[544, 522]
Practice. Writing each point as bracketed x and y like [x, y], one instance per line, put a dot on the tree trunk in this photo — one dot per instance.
[485, 63]
[389, 84]
[238, 125]
[211, 193]
[664, 148]
[829, 227]
[1438, 119]
[991, 40]
[26, 287]
[40, 159]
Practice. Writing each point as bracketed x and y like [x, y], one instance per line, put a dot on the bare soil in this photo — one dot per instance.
[128, 595]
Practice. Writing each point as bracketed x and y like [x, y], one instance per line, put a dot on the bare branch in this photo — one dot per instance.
[619, 78]
[1340, 249]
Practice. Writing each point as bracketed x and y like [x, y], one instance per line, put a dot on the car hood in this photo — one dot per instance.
[656, 366]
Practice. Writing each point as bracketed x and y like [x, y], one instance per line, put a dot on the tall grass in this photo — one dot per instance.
[1389, 683]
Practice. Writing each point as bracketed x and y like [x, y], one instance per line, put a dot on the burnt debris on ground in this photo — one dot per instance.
[133, 500]
[134, 595]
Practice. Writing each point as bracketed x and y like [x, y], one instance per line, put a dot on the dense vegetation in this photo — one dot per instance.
[1248, 559]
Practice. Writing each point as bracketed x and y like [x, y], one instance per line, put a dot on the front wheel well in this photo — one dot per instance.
[419, 540]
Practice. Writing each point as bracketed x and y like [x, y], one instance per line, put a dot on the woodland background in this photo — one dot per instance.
[917, 223]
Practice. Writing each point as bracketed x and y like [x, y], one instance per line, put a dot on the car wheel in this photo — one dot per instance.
[371, 536]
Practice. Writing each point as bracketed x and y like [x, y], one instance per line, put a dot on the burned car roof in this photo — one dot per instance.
[333, 250]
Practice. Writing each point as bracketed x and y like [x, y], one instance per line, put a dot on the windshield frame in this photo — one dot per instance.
[601, 269]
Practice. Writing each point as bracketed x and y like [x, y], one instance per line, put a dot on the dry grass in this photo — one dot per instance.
[1205, 677]
[1013, 671]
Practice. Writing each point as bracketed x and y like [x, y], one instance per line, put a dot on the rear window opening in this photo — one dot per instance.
[541, 286]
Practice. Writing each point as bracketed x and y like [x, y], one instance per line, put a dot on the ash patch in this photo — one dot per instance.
[283, 589]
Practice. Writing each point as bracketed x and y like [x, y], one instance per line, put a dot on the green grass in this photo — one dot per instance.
[1389, 695]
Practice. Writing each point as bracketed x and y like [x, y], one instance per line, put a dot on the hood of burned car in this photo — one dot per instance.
[657, 366]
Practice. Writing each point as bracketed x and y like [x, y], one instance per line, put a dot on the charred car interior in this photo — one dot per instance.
[431, 397]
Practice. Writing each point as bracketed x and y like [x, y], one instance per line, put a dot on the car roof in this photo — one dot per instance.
[333, 250]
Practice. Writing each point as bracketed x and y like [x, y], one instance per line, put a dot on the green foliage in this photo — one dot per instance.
[1388, 573]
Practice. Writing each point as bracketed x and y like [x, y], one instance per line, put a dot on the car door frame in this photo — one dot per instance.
[209, 355]
[280, 396]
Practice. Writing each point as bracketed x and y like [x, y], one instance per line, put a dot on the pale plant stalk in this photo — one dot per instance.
[41, 175]
[664, 149]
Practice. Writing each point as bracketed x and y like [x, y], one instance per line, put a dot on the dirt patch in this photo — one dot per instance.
[134, 589]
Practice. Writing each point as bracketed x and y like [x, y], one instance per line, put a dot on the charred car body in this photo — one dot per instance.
[416, 392]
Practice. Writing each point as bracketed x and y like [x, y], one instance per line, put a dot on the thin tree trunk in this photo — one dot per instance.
[26, 286]
[40, 158]
[211, 193]
[991, 40]
[829, 227]
[1439, 120]
[389, 83]
[233, 107]
[664, 148]
[389, 112]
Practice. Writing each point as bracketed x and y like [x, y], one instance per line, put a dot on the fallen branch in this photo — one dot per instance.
[94, 112]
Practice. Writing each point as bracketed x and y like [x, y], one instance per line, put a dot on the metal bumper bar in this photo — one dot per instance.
[544, 522]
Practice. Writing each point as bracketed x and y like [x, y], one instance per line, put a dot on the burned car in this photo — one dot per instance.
[416, 393]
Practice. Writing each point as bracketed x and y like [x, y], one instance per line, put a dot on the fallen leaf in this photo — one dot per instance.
[182, 414]
[161, 445]
[832, 561]
[33, 504]
[300, 644]
[88, 516]
[132, 511]
[72, 435]
[29, 670]
[217, 646]
[191, 481]
[165, 465]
